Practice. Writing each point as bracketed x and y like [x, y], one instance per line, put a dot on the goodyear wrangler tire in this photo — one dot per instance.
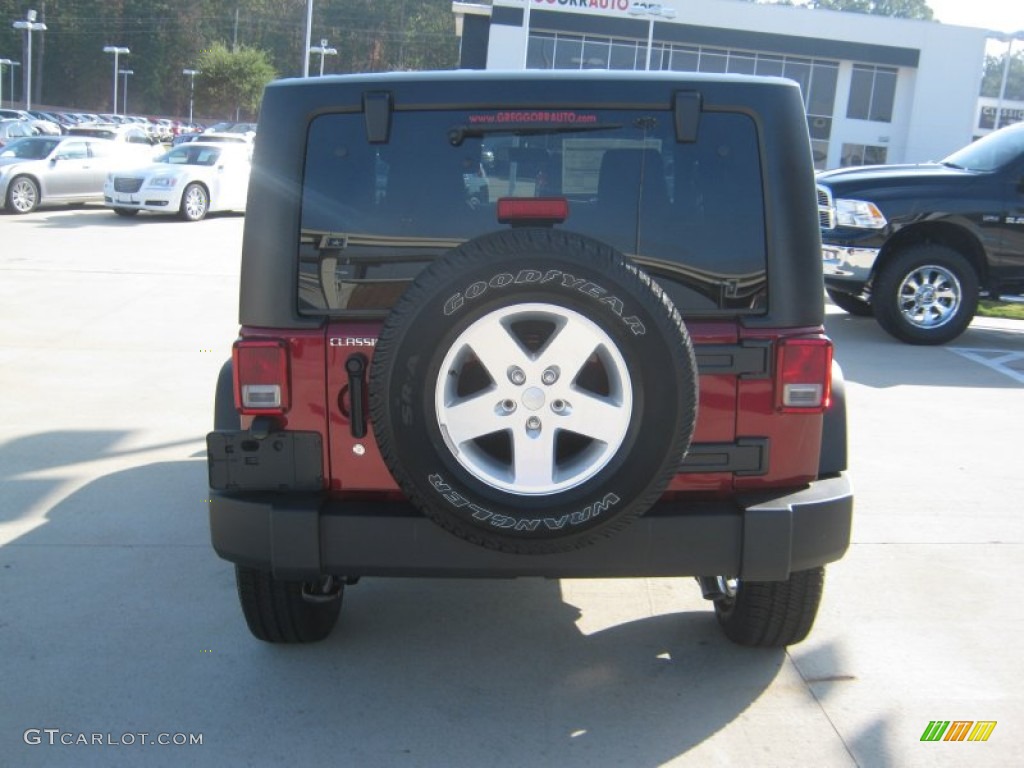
[533, 392]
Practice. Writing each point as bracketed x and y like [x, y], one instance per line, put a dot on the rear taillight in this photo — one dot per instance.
[261, 376]
[803, 375]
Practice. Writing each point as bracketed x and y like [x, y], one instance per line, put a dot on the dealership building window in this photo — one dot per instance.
[873, 87]
[560, 51]
[872, 93]
[863, 154]
[817, 78]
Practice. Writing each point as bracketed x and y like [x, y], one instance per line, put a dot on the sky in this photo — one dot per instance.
[1000, 15]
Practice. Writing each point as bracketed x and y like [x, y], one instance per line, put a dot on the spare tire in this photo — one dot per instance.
[532, 391]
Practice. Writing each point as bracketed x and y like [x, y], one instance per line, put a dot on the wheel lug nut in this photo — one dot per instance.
[516, 375]
[533, 423]
[550, 375]
[558, 406]
[507, 406]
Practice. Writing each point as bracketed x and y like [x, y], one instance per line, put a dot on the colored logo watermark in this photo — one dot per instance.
[958, 730]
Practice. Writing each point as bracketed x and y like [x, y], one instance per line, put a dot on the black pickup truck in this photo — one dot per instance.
[915, 245]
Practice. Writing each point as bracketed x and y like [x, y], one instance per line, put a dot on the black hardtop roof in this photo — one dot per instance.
[506, 87]
[289, 106]
[535, 75]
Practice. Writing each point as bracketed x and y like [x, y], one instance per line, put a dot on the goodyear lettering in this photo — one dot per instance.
[528, 276]
[615, 303]
[550, 275]
[475, 290]
[501, 281]
[568, 281]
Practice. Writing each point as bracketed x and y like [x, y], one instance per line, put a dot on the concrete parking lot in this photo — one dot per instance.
[117, 619]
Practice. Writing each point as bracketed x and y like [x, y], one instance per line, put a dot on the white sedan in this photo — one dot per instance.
[191, 180]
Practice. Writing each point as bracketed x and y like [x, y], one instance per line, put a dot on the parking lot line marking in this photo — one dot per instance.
[999, 360]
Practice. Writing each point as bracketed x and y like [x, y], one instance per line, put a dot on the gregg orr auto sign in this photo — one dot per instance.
[616, 7]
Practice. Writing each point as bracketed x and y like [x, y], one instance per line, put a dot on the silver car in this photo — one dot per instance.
[40, 170]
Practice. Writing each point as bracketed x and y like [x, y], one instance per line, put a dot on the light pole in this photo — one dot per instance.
[309, 34]
[4, 63]
[651, 11]
[117, 51]
[124, 101]
[12, 65]
[323, 50]
[191, 74]
[526, 30]
[30, 25]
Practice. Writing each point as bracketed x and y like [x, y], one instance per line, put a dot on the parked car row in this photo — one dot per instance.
[190, 180]
[56, 123]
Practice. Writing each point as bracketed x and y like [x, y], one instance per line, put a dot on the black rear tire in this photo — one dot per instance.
[771, 614]
[849, 303]
[287, 611]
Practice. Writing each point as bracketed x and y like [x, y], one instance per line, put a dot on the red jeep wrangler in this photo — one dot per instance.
[531, 324]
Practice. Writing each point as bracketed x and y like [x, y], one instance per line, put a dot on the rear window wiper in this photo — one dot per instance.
[460, 133]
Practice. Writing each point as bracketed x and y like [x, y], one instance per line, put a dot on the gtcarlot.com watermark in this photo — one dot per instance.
[57, 737]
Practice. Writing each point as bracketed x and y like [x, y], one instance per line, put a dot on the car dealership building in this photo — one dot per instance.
[876, 89]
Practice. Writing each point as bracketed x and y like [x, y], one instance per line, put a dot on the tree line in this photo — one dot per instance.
[166, 36]
[992, 78]
[241, 44]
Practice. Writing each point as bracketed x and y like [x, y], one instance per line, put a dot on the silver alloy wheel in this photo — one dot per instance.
[533, 399]
[929, 296]
[195, 202]
[23, 195]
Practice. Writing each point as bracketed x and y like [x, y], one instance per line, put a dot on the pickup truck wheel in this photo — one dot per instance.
[288, 611]
[850, 303]
[925, 295]
[770, 613]
[533, 392]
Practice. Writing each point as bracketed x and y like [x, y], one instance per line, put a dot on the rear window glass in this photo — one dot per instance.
[186, 155]
[691, 214]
